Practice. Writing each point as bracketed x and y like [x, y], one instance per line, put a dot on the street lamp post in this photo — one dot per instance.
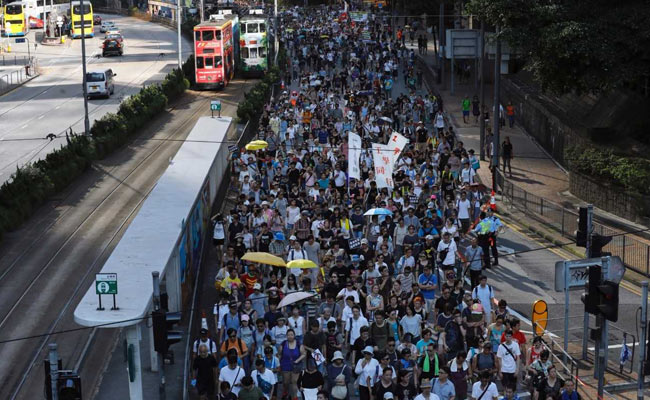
[83, 63]
[178, 21]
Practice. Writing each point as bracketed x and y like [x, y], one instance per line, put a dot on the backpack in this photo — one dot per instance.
[475, 291]
[197, 343]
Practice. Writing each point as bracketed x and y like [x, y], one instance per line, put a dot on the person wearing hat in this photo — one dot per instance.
[366, 369]
[204, 339]
[426, 394]
[339, 376]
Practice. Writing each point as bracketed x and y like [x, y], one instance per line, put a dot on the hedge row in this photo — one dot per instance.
[630, 173]
[34, 183]
[250, 109]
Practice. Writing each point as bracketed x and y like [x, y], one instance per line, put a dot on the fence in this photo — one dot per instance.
[634, 252]
[14, 60]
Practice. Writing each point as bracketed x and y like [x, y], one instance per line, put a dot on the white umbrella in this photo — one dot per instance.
[377, 211]
[386, 119]
[295, 297]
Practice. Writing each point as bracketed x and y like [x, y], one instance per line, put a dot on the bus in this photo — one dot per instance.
[75, 18]
[253, 43]
[214, 51]
[14, 19]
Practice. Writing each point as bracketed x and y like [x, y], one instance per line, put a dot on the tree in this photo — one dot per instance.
[576, 45]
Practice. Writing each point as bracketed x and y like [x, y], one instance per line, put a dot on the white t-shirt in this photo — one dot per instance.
[233, 377]
[345, 293]
[490, 394]
[268, 376]
[339, 178]
[485, 295]
[467, 175]
[432, 396]
[219, 232]
[508, 362]
[450, 258]
[354, 327]
[370, 370]
[296, 324]
[463, 209]
[210, 344]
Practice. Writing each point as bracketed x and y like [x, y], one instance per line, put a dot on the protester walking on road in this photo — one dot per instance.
[507, 155]
[510, 113]
[204, 373]
[466, 105]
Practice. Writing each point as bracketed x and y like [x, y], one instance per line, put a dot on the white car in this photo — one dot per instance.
[106, 26]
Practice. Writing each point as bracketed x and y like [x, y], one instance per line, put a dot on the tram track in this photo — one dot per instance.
[42, 282]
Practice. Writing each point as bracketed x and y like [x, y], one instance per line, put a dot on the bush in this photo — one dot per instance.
[250, 109]
[630, 173]
[34, 183]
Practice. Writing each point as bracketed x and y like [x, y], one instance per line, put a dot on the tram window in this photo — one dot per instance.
[199, 63]
[262, 27]
[244, 52]
[208, 62]
[253, 52]
[243, 28]
[252, 28]
[217, 61]
[218, 34]
[208, 35]
[197, 36]
[261, 52]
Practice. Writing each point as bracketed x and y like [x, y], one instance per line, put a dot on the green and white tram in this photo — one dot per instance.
[254, 43]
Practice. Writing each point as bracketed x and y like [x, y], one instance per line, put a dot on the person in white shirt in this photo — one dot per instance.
[450, 250]
[485, 294]
[484, 389]
[204, 339]
[464, 207]
[467, 174]
[508, 355]
[263, 378]
[232, 373]
[297, 323]
[426, 394]
[354, 324]
[367, 369]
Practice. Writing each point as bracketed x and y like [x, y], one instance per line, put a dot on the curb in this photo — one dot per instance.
[2, 94]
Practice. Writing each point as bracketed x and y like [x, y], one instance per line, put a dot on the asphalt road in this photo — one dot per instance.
[53, 102]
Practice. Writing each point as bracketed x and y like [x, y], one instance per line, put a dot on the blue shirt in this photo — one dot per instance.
[428, 294]
[443, 390]
[495, 223]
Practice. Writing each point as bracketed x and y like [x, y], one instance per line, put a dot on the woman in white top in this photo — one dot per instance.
[451, 228]
[293, 213]
[366, 369]
[297, 323]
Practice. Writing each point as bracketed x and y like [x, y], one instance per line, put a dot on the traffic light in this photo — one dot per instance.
[597, 244]
[69, 385]
[48, 377]
[608, 300]
[163, 335]
[581, 233]
[590, 298]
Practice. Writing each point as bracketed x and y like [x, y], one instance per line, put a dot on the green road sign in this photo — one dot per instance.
[106, 283]
[215, 105]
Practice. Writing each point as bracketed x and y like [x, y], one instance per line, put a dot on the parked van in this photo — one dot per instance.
[100, 83]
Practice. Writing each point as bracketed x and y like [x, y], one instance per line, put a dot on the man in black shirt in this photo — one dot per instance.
[204, 373]
[445, 299]
[264, 238]
[314, 339]
[363, 341]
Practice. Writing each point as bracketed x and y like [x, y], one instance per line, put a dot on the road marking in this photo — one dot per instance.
[57, 107]
[615, 346]
[41, 117]
[24, 126]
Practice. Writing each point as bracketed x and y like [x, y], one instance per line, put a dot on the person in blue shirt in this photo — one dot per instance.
[428, 283]
[510, 394]
[495, 224]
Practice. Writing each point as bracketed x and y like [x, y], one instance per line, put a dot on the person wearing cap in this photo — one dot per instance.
[426, 394]
[204, 339]
[366, 369]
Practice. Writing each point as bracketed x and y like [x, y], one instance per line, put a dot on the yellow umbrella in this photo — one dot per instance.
[301, 264]
[257, 145]
[324, 36]
[264, 258]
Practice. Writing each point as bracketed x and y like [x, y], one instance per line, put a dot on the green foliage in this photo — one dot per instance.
[34, 183]
[630, 173]
[581, 46]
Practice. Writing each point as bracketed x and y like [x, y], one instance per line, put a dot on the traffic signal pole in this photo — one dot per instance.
[585, 326]
[642, 340]
[54, 370]
[161, 357]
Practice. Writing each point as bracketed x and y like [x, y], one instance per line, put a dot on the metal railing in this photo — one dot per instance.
[635, 253]
[8, 59]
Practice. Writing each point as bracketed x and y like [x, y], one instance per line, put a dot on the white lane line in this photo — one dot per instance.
[57, 107]
[41, 117]
[24, 126]
[615, 346]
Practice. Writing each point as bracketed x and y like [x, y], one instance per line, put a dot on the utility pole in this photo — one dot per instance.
[202, 12]
[482, 91]
[83, 57]
[161, 362]
[497, 101]
[585, 322]
[441, 35]
[178, 21]
[54, 370]
[642, 340]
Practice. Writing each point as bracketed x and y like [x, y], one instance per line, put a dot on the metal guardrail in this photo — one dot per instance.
[14, 60]
[12, 79]
[634, 252]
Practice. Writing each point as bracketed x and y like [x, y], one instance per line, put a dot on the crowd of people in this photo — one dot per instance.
[391, 315]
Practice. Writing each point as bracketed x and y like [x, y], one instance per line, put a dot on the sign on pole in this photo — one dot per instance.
[215, 105]
[106, 284]
[540, 317]
[613, 270]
